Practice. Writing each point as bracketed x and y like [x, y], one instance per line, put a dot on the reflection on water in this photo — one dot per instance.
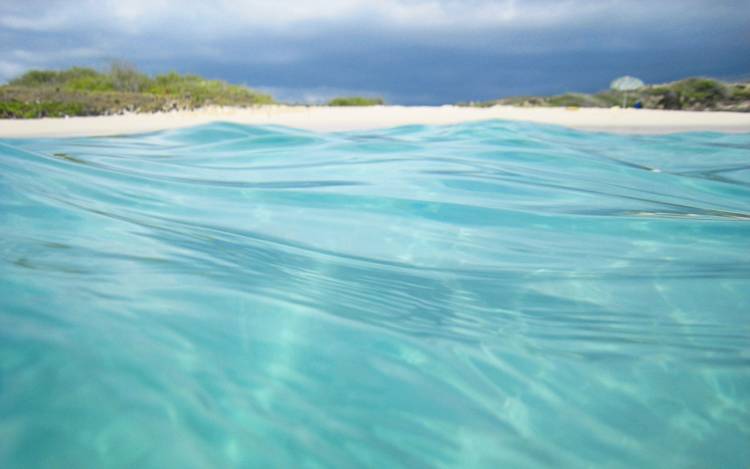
[484, 295]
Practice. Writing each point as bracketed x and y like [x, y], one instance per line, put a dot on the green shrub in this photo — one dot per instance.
[611, 98]
[699, 94]
[657, 90]
[77, 73]
[355, 101]
[604, 99]
[741, 92]
[77, 91]
[567, 100]
[125, 77]
[36, 78]
[701, 90]
[98, 82]
[20, 110]
[201, 91]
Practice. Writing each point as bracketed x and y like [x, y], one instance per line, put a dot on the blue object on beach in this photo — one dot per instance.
[638, 105]
[484, 295]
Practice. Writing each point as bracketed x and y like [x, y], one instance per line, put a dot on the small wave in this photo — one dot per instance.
[480, 295]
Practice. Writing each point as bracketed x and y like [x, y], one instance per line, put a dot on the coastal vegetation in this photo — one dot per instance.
[356, 101]
[122, 88]
[81, 91]
[693, 94]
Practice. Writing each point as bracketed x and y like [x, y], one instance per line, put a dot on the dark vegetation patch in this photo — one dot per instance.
[693, 94]
[356, 101]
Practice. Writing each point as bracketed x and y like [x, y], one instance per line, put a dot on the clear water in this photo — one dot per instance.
[476, 296]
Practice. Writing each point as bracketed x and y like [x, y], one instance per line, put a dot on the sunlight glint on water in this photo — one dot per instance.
[483, 295]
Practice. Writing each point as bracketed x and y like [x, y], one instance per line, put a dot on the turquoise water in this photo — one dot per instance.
[475, 296]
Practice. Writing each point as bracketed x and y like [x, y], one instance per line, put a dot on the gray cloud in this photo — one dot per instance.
[409, 50]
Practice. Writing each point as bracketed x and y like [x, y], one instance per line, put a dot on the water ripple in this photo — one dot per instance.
[493, 294]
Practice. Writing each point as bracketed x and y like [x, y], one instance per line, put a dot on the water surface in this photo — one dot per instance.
[475, 296]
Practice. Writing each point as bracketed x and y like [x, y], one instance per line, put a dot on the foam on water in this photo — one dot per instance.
[483, 295]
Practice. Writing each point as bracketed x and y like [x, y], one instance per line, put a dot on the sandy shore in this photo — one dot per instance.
[326, 119]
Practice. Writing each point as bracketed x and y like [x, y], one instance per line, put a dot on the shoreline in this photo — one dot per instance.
[334, 119]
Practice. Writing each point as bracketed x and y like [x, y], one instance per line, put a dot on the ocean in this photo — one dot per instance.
[484, 295]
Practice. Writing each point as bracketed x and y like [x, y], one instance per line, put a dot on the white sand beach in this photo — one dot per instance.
[327, 119]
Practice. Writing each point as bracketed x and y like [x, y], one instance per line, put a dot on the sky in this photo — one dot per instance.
[407, 51]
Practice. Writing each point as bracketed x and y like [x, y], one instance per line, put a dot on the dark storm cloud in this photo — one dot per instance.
[409, 51]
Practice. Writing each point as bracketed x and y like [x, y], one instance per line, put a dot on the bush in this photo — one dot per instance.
[20, 110]
[741, 92]
[356, 101]
[695, 94]
[701, 90]
[38, 78]
[201, 91]
[98, 82]
[612, 98]
[125, 77]
[77, 91]
[570, 99]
